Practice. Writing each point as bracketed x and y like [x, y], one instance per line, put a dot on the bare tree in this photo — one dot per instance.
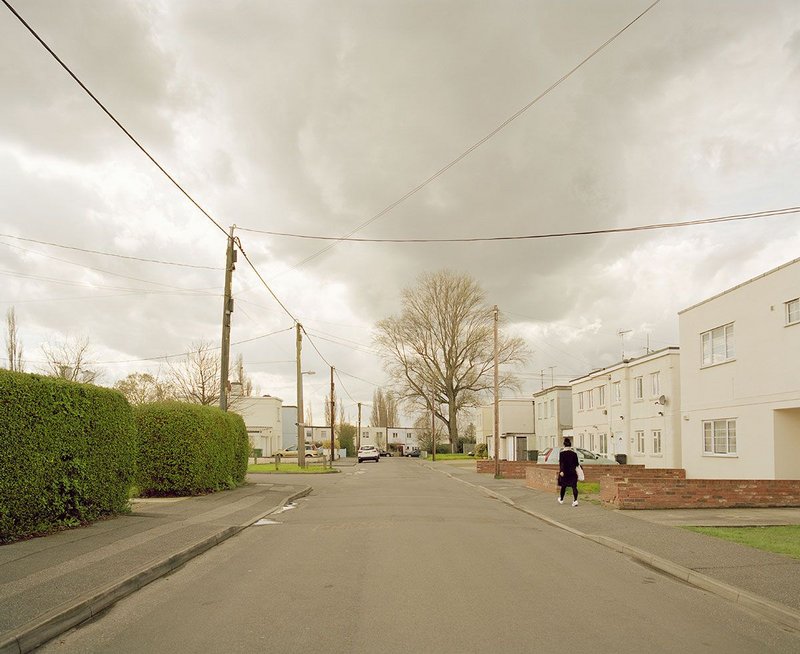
[245, 383]
[70, 359]
[196, 377]
[328, 406]
[13, 344]
[440, 350]
[384, 409]
[141, 388]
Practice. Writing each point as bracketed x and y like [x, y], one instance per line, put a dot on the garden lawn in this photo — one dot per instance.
[289, 468]
[451, 457]
[784, 539]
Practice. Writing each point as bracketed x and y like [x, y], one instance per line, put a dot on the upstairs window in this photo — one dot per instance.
[617, 392]
[655, 383]
[793, 311]
[580, 401]
[638, 385]
[718, 345]
[601, 395]
[590, 394]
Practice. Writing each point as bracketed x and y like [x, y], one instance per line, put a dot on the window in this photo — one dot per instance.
[539, 412]
[365, 434]
[639, 442]
[638, 388]
[617, 392]
[580, 438]
[718, 345]
[591, 442]
[793, 312]
[601, 395]
[580, 401]
[655, 384]
[656, 441]
[590, 396]
[719, 437]
[552, 408]
[603, 444]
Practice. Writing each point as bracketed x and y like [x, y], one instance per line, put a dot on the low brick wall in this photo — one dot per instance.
[543, 477]
[655, 493]
[508, 469]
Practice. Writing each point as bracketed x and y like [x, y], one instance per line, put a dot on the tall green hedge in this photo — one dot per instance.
[189, 449]
[67, 453]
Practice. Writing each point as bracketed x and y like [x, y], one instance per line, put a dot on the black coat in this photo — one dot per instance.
[568, 463]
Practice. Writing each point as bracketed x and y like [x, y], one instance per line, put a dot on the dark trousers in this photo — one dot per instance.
[574, 491]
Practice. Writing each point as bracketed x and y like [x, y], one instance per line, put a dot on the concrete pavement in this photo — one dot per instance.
[48, 585]
[766, 583]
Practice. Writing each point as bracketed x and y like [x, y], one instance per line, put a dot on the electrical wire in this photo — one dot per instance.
[258, 274]
[109, 254]
[112, 117]
[478, 143]
[589, 232]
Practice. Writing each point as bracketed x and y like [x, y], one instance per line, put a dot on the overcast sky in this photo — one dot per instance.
[311, 117]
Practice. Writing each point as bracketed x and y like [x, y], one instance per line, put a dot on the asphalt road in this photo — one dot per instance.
[396, 557]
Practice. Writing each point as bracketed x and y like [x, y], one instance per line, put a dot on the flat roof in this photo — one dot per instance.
[738, 286]
[664, 350]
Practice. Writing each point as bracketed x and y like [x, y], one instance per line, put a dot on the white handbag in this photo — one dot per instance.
[579, 470]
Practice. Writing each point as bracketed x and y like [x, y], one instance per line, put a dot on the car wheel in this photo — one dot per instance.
[359, 460]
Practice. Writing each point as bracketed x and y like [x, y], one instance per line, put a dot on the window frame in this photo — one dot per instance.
[789, 307]
[710, 438]
[657, 442]
[709, 355]
[601, 395]
[655, 383]
[638, 388]
[617, 392]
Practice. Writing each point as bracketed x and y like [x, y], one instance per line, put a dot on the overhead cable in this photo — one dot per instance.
[588, 232]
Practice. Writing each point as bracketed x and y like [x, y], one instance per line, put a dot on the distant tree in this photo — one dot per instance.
[142, 387]
[328, 406]
[70, 359]
[439, 351]
[195, 378]
[346, 434]
[13, 344]
[309, 416]
[245, 383]
[384, 409]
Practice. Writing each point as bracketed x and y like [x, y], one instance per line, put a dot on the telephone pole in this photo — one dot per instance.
[358, 435]
[333, 416]
[496, 400]
[227, 310]
[301, 428]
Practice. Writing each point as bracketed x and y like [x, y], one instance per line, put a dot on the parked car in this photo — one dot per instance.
[385, 453]
[291, 451]
[550, 455]
[414, 452]
[368, 453]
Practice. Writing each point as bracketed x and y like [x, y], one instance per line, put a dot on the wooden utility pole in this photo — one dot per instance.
[227, 310]
[301, 427]
[333, 416]
[358, 435]
[433, 424]
[496, 400]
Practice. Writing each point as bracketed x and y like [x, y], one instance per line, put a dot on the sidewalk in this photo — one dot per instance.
[766, 583]
[48, 585]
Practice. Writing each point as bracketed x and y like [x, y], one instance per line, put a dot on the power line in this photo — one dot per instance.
[478, 143]
[589, 232]
[109, 254]
[258, 274]
[112, 117]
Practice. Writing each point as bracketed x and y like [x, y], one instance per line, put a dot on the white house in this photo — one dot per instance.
[633, 409]
[405, 437]
[740, 380]
[263, 419]
[516, 428]
[553, 415]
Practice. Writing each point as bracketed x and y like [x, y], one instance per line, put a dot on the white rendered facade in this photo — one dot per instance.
[516, 428]
[740, 380]
[632, 408]
[397, 436]
[263, 419]
[553, 415]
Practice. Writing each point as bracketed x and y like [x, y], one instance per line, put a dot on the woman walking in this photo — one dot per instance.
[568, 472]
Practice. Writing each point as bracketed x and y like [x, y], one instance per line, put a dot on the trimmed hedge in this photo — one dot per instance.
[189, 449]
[67, 453]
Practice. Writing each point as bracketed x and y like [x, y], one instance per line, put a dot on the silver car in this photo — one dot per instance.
[550, 455]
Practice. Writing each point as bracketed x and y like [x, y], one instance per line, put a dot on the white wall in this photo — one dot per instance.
[763, 377]
[262, 416]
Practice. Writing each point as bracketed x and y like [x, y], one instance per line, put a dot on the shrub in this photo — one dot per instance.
[189, 449]
[67, 453]
[481, 451]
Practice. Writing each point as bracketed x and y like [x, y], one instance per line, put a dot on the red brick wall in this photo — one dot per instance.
[655, 493]
[508, 469]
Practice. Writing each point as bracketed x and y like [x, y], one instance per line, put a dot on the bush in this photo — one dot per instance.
[67, 454]
[189, 449]
[481, 451]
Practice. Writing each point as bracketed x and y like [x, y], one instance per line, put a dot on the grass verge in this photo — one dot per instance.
[784, 539]
[289, 468]
[451, 457]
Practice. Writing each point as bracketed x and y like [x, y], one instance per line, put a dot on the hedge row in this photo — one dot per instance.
[67, 453]
[70, 453]
[188, 449]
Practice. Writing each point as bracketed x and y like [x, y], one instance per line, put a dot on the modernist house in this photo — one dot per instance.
[632, 409]
[553, 415]
[516, 428]
[264, 421]
[383, 437]
[740, 380]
